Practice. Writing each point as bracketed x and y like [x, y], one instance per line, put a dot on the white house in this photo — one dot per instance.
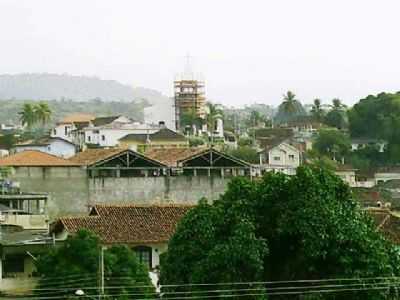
[66, 129]
[280, 157]
[146, 229]
[360, 143]
[53, 145]
[106, 131]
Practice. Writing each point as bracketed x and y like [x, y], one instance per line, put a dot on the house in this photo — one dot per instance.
[67, 128]
[347, 174]
[18, 252]
[163, 138]
[52, 145]
[360, 143]
[144, 228]
[106, 131]
[280, 156]
[387, 174]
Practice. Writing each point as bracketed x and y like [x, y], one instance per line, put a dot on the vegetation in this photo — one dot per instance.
[246, 153]
[317, 112]
[306, 226]
[9, 112]
[31, 114]
[78, 258]
[337, 117]
[289, 109]
[332, 143]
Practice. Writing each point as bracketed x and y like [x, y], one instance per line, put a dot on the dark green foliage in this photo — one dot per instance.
[245, 141]
[333, 143]
[290, 109]
[7, 141]
[75, 265]
[306, 226]
[245, 153]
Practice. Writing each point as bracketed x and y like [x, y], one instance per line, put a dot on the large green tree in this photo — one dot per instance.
[332, 143]
[43, 113]
[28, 115]
[337, 116]
[281, 228]
[75, 266]
[317, 111]
[289, 109]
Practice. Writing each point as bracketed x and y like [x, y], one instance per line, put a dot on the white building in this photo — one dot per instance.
[107, 131]
[360, 143]
[281, 157]
[68, 127]
[53, 145]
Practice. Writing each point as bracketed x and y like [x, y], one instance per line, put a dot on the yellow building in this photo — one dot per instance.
[164, 138]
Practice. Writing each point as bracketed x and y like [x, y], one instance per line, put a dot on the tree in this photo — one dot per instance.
[336, 117]
[245, 153]
[316, 111]
[289, 109]
[28, 115]
[42, 113]
[333, 143]
[214, 112]
[75, 265]
[302, 227]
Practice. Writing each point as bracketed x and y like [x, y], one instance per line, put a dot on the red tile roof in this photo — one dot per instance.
[31, 158]
[171, 156]
[77, 118]
[128, 224]
[91, 156]
[387, 223]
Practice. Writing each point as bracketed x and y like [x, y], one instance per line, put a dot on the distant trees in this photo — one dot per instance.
[31, 114]
[317, 112]
[289, 109]
[332, 143]
[75, 265]
[301, 227]
[246, 153]
[336, 117]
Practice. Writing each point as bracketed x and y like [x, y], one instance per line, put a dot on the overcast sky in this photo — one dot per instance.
[248, 51]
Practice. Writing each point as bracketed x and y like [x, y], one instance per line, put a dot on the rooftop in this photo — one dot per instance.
[171, 156]
[91, 156]
[32, 158]
[77, 118]
[160, 135]
[128, 224]
[101, 121]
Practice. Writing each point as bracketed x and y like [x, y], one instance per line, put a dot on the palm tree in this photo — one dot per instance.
[317, 111]
[214, 112]
[28, 115]
[43, 112]
[289, 103]
[337, 104]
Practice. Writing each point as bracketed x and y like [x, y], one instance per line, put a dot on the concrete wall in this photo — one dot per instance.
[71, 192]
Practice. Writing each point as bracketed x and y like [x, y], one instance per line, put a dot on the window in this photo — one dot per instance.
[55, 131]
[143, 254]
[291, 156]
[88, 138]
[14, 264]
[103, 138]
[277, 158]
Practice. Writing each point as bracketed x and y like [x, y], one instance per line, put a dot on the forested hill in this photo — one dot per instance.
[46, 86]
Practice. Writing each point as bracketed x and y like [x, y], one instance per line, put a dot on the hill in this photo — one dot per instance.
[45, 86]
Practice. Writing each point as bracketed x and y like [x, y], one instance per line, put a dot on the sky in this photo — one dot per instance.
[247, 51]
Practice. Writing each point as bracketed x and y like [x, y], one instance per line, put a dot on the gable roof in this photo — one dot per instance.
[171, 156]
[94, 157]
[386, 223]
[77, 118]
[32, 158]
[160, 135]
[101, 121]
[176, 157]
[45, 141]
[127, 224]
[91, 156]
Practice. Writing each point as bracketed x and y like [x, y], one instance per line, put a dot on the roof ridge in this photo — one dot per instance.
[156, 205]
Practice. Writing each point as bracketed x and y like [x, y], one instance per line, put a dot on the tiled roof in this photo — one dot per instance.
[91, 156]
[101, 121]
[31, 158]
[77, 118]
[163, 134]
[171, 156]
[45, 141]
[128, 224]
[387, 223]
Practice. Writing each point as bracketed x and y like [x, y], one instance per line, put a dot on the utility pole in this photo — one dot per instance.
[101, 263]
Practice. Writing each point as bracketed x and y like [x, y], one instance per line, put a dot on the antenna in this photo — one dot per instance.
[188, 70]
